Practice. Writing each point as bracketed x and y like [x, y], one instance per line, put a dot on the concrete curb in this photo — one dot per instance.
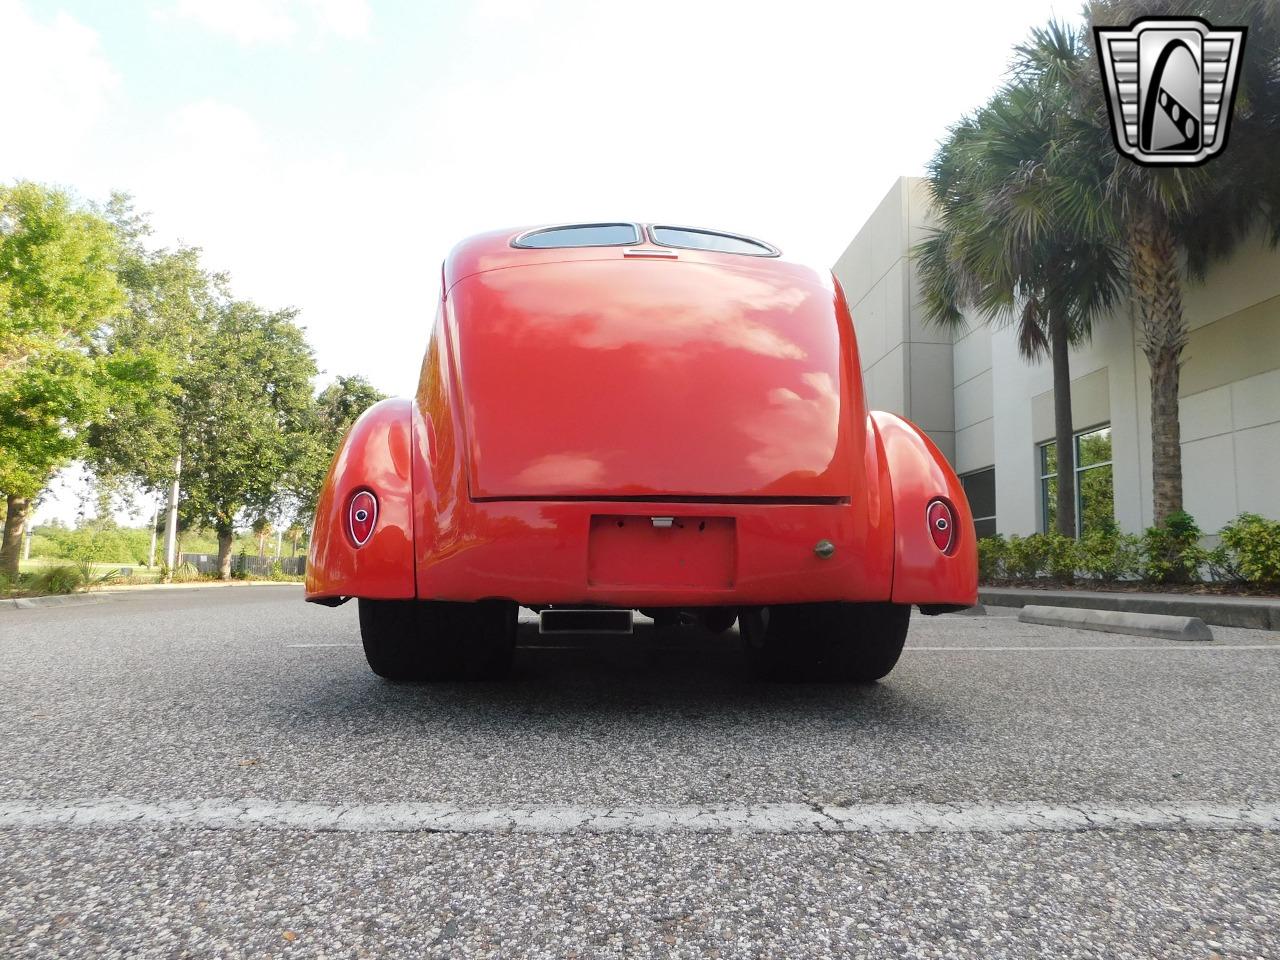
[196, 585]
[1118, 621]
[1254, 613]
[54, 600]
[107, 594]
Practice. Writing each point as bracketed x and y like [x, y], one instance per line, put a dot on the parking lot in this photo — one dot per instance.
[217, 773]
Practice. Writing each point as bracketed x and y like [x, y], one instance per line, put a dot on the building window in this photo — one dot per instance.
[980, 491]
[1095, 494]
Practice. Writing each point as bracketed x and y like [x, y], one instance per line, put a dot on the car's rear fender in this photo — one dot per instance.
[377, 456]
[918, 474]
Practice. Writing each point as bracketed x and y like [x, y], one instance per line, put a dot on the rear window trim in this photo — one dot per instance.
[519, 244]
[771, 250]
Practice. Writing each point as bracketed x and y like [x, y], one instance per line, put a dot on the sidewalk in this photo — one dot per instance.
[1256, 613]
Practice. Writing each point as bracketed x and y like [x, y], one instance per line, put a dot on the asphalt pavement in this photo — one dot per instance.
[217, 773]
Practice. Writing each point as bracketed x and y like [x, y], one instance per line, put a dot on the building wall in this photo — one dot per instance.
[986, 406]
[907, 365]
[974, 399]
[1230, 399]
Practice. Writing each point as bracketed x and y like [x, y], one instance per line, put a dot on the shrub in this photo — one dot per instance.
[42, 546]
[1171, 551]
[990, 555]
[1110, 555]
[1061, 556]
[1254, 546]
[1222, 565]
[1024, 557]
[64, 578]
[70, 577]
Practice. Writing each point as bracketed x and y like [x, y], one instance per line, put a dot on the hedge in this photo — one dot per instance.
[1248, 552]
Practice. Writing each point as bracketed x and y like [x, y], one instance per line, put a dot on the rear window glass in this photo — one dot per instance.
[710, 240]
[581, 235]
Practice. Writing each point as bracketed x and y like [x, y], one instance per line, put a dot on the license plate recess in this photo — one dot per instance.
[662, 551]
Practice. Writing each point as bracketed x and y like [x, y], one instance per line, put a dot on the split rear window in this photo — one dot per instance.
[690, 239]
[632, 234]
[581, 235]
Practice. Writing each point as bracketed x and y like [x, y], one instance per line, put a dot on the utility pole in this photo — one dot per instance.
[171, 521]
[279, 539]
[155, 525]
[26, 543]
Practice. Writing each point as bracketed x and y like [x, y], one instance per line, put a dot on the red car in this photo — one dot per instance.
[615, 417]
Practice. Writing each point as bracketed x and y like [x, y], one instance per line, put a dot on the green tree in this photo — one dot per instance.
[1004, 249]
[334, 411]
[169, 303]
[57, 290]
[262, 529]
[247, 400]
[295, 533]
[1171, 222]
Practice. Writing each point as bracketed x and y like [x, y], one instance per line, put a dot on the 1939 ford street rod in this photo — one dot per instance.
[615, 417]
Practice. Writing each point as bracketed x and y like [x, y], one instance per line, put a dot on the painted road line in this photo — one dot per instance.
[955, 649]
[1199, 648]
[781, 818]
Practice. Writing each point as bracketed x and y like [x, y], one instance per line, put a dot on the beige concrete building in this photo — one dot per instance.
[992, 413]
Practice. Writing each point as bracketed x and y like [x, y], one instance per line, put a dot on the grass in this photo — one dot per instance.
[39, 577]
[38, 565]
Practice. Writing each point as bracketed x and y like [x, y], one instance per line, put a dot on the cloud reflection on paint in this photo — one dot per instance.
[795, 433]
[742, 315]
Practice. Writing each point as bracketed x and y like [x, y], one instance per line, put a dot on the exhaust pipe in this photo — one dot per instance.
[561, 621]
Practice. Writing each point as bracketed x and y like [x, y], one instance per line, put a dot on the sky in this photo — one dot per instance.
[327, 154]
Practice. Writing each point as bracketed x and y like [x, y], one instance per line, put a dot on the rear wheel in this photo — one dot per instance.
[436, 640]
[718, 619]
[858, 642]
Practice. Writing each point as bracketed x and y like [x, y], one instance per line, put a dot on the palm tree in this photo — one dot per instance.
[1006, 250]
[1171, 222]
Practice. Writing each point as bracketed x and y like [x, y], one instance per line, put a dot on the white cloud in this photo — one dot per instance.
[59, 89]
[246, 21]
[294, 228]
[252, 22]
[343, 18]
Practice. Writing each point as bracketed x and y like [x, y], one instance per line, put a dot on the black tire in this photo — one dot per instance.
[435, 640]
[718, 619]
[858, 642]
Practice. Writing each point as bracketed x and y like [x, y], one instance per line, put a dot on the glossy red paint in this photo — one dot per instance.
[942, 525]
[920, 473]
[653, 378]
[376, 455]
[565, 392]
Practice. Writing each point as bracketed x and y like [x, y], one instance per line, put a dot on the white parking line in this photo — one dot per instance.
[953, 649]
[1174, 645]
[766, 818]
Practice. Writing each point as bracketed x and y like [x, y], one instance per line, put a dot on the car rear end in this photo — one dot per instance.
[648, 426]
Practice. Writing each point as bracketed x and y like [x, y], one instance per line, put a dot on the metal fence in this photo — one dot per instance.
[247, 564]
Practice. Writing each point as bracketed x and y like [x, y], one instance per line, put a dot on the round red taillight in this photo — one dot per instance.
[942, 524]
[362, 514]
